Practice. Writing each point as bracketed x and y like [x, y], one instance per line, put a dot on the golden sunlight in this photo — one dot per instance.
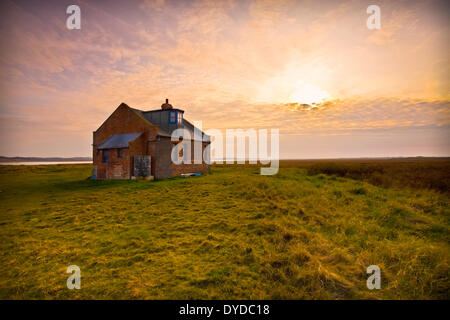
[308, 94]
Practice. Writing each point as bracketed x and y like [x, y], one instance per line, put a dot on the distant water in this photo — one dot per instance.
[40, 163]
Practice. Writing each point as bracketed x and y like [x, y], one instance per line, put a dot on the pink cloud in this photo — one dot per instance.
[229, 63]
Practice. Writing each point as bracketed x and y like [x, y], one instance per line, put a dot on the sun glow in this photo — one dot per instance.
[308, 94]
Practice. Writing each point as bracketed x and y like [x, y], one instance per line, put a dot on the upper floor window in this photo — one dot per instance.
[180, 117]
[172, 117]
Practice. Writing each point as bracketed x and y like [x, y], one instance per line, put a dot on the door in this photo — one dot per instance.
[142, 166]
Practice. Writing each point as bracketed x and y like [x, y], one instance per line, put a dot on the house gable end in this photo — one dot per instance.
[124, 120]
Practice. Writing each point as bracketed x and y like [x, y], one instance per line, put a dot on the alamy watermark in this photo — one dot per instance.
[74, 20]
[74, 280]
[258, 147]
[374, 281]
[374, 20]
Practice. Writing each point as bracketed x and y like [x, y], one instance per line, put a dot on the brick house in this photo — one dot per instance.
[133, 143]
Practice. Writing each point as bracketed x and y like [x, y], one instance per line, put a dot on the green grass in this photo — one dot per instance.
[231, 234]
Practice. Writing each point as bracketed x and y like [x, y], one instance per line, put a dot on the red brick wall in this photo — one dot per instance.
[190, 168]
[163, 159]
[117, 168]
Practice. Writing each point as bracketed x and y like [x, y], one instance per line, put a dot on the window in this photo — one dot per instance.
[119, 153]
[172, 117]
[180, 117]
[105, 156]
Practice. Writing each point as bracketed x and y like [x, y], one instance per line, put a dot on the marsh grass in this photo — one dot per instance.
[416, 173]
[231, 234]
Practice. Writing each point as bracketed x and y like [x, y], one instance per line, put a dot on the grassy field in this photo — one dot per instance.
[300, 234]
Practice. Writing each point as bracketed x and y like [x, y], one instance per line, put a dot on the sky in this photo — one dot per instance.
[311, 69]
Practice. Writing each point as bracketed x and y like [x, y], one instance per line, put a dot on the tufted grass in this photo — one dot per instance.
[233, 234]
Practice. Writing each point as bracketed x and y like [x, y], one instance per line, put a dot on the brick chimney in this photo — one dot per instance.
[166, 106]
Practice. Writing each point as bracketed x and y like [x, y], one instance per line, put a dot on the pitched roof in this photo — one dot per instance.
[118, 141]
[163, 128]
